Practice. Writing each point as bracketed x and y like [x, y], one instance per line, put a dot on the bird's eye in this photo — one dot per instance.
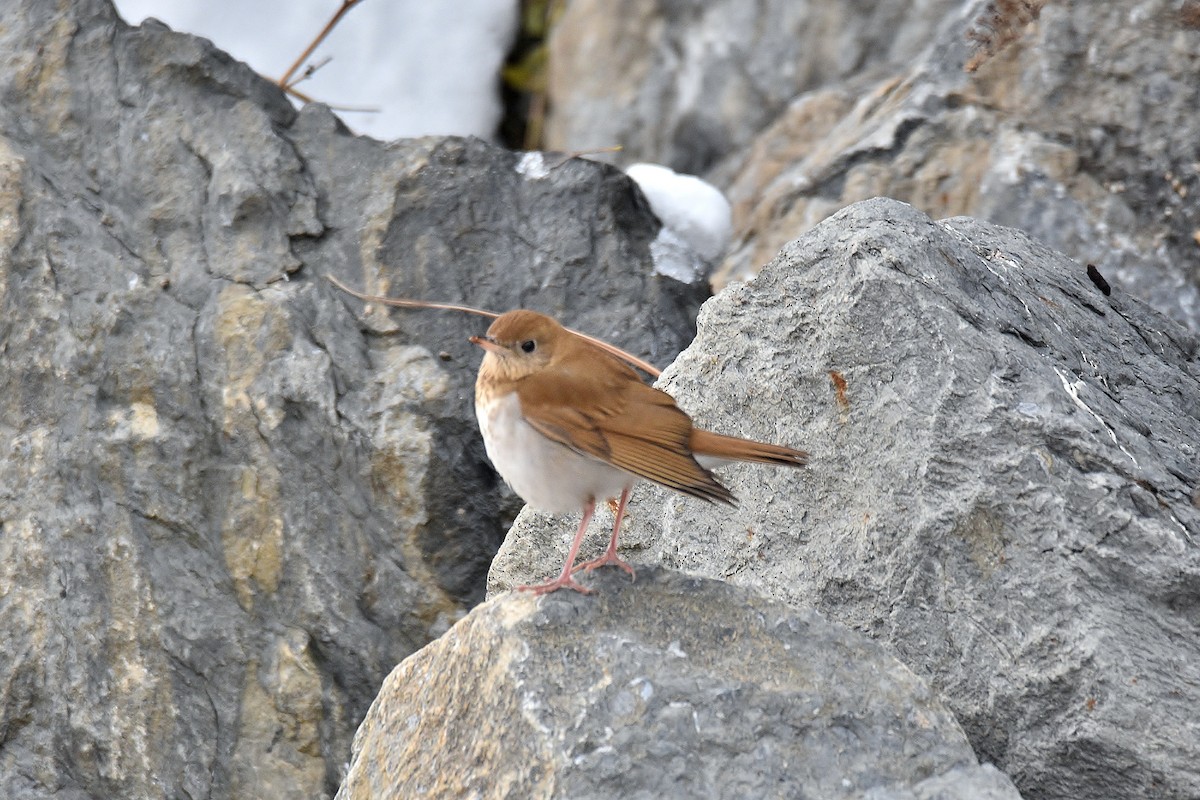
[529, 345]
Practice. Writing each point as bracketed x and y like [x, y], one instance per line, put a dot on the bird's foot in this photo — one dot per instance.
[561, 582]
[610, 557]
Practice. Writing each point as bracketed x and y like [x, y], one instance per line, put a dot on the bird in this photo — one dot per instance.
[567, 424]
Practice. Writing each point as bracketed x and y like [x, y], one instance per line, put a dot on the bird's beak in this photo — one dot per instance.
[487, 344]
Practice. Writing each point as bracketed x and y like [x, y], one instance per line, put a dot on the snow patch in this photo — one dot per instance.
[694, 211]
[533, 165]
[429, 70]
[675, 258]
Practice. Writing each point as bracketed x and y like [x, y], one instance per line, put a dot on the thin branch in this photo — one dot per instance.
[616, 148]
[311, 69]
[341, 12]
[611, 349]
[401, 303]
[304, 98]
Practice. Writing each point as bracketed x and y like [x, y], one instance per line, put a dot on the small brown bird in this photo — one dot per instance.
[566, 424]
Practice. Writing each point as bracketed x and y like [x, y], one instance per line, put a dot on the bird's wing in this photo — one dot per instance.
[614, 417]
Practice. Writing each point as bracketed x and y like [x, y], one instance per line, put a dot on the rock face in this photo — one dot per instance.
[673, 687]
[1083, 132]
[228, 505]
[687, 83]
[232, 498]
[1005, 486]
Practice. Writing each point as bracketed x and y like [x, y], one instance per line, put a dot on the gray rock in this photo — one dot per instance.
[687, 83]
[1082, 132]
[231, 498]
[466, 222]
[673, 687]
[228, 505]
[1005, 492]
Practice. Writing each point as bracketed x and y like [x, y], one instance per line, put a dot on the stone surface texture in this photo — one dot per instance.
[673, 687]
[233, 498]
[230, 500]
[1084, 131]
[687, 83]
[1005, 487]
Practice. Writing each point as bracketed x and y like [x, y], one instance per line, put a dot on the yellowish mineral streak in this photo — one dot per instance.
[44, 77]
[279, 740]
[451, 748]
[250, 332]
[12, 171]
[137, 681]
[252, 532]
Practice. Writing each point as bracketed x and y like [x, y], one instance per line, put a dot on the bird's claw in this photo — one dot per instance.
[561, 582]
[608, 559]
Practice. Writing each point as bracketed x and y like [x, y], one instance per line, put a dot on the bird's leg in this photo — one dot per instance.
[564, 579]
[610, 555]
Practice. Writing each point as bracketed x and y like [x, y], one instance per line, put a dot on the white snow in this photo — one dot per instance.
[675, 258]
[533, 165]
[695, 211]
[428, 70]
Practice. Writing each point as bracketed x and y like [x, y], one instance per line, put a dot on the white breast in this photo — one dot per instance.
[547, 475]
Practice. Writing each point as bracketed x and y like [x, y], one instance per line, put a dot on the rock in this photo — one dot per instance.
[673, 687]
[228, 504]
[1048, 135]
[466, 222]
[232, 497]
[685, 84]
[1003, 486]
[1081, 131]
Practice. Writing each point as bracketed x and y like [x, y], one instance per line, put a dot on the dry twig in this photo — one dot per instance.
[285, 82]
[398, 302]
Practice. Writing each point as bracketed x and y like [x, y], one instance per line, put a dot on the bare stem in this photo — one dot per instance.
[333, 21]
[612, 349]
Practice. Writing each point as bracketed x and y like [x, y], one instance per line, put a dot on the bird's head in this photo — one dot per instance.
[520, 343]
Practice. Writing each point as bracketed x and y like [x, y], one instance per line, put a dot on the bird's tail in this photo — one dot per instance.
[731, 448]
